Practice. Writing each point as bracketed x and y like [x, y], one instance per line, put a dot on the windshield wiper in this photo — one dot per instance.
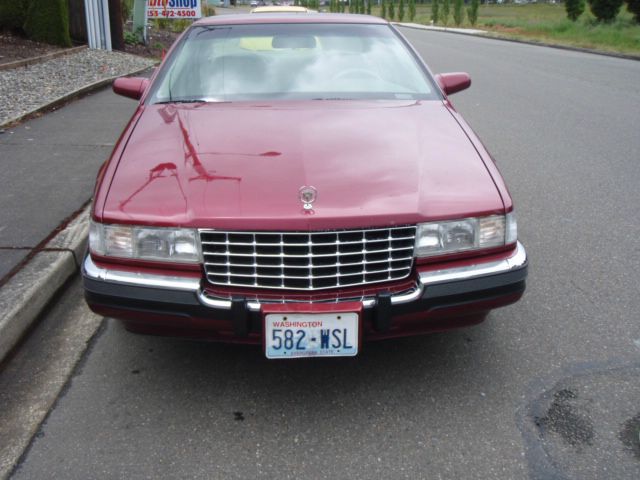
[184, 100]
[332, 98]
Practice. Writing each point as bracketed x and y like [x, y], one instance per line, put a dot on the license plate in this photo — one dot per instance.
[295, 335]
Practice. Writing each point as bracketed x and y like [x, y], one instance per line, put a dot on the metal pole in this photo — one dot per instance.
[88, 8]
[106, 25]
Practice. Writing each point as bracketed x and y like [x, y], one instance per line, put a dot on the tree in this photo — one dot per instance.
[412, 10]
[401, 11]
[392, 10]
[383, 9]
[605, 10]
[634, 7]
[368, 7]
[115, 24]
[574, 9]
[472, 12]
[435, 11]
[445, 12]
[458, 12]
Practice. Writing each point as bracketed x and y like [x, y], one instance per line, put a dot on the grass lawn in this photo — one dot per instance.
[548, 23]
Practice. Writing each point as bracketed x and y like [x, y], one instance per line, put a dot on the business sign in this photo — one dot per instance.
[176, 9]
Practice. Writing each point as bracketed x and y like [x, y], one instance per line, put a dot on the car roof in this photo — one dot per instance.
[289, 18]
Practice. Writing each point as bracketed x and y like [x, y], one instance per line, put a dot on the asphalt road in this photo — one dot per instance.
[545, 389]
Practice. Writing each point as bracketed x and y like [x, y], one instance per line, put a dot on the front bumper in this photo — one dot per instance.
[440, 300]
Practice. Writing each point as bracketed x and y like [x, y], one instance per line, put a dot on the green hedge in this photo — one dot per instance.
[13, 13]
[42, 20]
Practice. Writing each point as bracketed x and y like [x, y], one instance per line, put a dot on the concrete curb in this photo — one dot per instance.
[492, 36]
[66, 98]
[25, 295]
[41, 58]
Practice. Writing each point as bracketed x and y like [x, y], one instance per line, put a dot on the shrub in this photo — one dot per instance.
[208, 10]
[445, 12]
[48, 21]
[634, 7]
[472, 12]
[458, 12]
[130, 38]
[13, 13]
[574, 9]
[383, 9]
[392, 10]
[401, 11]
[605, 10]
[368, 7]
[127, 10]
[435, 11]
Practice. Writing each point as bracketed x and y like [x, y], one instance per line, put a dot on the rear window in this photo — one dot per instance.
[291, 61]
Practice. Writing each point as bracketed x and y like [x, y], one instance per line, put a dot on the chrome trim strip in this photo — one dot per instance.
[171, 282]
[517, 260]
[255, 305]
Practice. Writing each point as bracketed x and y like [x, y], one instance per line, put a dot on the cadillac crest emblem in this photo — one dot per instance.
[308, 196]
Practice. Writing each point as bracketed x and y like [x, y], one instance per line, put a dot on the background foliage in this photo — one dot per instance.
[42, 20]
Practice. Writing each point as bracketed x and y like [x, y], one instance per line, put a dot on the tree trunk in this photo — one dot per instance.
[77, 21]
[115, 21]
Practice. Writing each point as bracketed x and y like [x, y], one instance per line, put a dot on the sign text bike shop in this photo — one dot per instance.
[174, 9]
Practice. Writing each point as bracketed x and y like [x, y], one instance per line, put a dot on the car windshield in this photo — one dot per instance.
[291, 61]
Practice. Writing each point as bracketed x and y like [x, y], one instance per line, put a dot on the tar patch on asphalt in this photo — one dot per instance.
[630, 435]
[586, 426]
[569, 419]
[238, 416]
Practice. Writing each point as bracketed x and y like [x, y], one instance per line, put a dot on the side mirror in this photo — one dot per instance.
[453, 82]
[132, 87]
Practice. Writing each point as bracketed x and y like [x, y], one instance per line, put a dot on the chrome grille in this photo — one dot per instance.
[307, 260]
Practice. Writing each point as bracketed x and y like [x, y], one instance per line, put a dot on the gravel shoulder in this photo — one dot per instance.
[25, 89]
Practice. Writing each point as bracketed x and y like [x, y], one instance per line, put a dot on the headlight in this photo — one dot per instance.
[440, 238]
[143, 243]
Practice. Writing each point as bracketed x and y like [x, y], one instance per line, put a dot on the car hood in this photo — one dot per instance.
[241, 166]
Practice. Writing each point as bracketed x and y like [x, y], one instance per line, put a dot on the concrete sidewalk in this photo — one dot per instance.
[48, 169]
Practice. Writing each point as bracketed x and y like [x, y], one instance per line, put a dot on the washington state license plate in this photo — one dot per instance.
[295, 335]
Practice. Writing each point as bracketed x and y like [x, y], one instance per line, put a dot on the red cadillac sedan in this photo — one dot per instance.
[302, 183]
